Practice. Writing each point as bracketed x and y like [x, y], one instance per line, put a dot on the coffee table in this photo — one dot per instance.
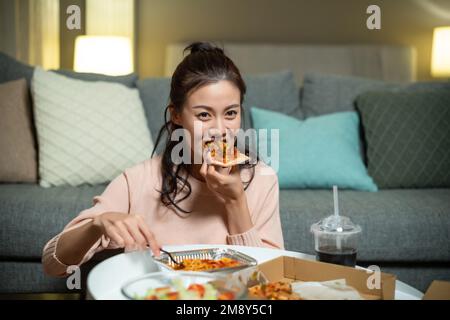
[106, 279]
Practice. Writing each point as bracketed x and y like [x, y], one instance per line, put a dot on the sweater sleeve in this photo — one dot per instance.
[116, 197]
[266, 231]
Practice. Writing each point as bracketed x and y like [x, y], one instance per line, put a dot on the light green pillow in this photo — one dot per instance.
[88, 132]
[318, 152]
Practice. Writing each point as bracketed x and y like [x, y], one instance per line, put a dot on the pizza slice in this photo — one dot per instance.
[224, 153]
[278, 290]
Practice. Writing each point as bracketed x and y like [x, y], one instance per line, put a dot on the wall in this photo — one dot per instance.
[404, 22]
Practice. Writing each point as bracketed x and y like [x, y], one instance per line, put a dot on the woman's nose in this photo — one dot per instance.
[218, 129]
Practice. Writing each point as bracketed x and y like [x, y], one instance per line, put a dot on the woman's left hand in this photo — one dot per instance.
[226, 183]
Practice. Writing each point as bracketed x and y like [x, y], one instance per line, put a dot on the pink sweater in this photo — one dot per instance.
[135, 191]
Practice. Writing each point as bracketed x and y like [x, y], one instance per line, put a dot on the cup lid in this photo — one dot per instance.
[336, 224]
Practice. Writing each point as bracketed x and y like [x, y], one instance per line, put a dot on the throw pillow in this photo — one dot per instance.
[318, 152]
[88, 132]
[272, 91]
[127, 80]
[18, 157]
[408, 137]
[328, 93]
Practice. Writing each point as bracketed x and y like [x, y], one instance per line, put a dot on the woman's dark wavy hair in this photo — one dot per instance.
[205, 64]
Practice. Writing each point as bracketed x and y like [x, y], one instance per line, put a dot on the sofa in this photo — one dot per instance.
[405, 230]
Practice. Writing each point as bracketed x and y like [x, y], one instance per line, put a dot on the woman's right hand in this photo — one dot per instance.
[127, 230]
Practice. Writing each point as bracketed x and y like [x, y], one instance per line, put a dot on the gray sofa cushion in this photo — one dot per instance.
[11, 69]
[28, 277]
[127, 80]
[328, 93]
[30, 215]
[154, 94]
[398, 225]
[273, 91]
[427, 85]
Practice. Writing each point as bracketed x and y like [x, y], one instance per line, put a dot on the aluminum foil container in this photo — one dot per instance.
[165, 263]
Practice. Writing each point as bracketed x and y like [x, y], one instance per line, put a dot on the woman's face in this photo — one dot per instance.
[211, 109]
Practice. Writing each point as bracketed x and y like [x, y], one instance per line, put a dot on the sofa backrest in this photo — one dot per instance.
[382, 62]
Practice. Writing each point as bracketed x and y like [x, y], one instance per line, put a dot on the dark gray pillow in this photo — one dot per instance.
[407, 133]
[273, 91]
[276, 91]
[127, 80]
[328, 93]
[154, 94]
[11, 69]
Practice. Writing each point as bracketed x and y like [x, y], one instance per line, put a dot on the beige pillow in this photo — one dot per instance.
[18, 160]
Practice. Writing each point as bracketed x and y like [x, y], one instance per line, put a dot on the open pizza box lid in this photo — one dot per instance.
[294, 269]
[438, 290]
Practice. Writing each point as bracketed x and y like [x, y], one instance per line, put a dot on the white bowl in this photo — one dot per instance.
[139, 286]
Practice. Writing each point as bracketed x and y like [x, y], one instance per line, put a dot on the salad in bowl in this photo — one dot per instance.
[183, 286]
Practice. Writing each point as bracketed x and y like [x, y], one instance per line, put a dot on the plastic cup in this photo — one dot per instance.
[335, 240]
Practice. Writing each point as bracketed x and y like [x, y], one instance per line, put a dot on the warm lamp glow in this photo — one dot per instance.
[440, 58]
[109, 55]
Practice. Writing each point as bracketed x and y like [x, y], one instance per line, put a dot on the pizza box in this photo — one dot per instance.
[294, 269]
[438, 290]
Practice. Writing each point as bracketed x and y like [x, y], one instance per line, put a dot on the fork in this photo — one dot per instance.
[180, 264]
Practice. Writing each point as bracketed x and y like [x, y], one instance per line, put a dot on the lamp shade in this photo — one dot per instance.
[109, 55]
[440, 57]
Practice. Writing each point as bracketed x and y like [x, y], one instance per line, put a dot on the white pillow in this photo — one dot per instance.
[88, 132]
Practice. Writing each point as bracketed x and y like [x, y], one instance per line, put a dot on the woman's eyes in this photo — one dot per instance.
[206, 115]
[203, 115]
[231, 113]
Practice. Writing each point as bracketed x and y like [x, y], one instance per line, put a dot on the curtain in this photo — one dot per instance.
[30, 29]
[43, 31]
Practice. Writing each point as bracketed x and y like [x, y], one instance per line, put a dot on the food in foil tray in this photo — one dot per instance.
[206, 260]
[206, 264]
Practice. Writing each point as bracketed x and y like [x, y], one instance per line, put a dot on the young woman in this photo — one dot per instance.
[158, 202]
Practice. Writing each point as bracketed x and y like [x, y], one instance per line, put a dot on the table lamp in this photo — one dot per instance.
[111, 55]
[440, 57]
